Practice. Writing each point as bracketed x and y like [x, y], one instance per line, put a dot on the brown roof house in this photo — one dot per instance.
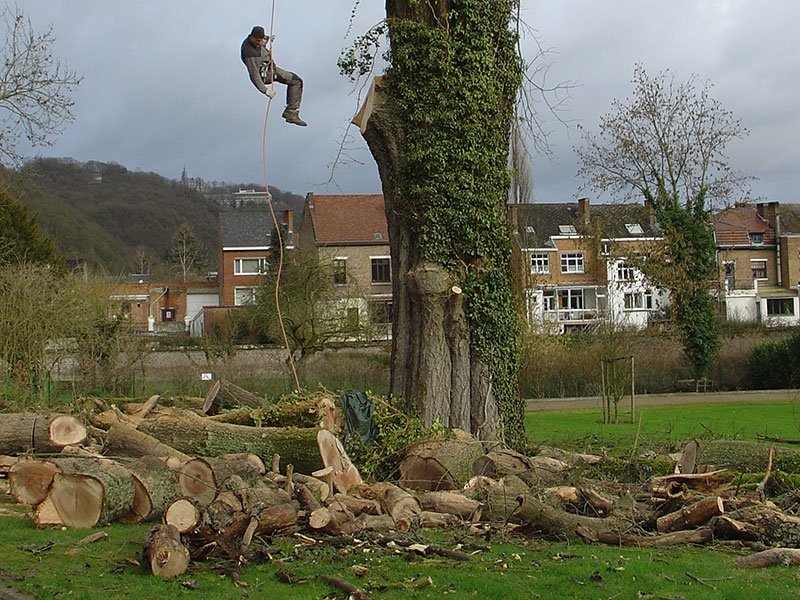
[578, 268]
[349, 233]
[758, 257]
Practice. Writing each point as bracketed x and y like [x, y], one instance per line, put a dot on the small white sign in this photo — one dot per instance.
[206, 376]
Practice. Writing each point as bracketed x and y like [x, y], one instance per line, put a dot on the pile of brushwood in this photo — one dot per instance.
[221, 476]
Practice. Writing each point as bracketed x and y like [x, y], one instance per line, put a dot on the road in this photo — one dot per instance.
[666, 399]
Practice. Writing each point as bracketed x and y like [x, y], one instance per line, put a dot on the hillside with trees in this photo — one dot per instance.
[117, 220]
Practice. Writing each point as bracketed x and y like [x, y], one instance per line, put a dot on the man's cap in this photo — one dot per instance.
[258, 32]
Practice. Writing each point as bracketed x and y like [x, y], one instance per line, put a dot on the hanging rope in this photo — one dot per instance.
[290, 358]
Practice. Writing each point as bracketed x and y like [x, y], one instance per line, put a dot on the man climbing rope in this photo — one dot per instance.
[261, 69]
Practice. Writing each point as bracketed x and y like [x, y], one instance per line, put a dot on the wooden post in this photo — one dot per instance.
[633, 387]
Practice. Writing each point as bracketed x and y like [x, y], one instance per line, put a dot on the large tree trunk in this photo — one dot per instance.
[454, 353]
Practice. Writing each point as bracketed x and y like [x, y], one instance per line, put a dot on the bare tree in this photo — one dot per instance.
[669, 131]
[35, 87]
[187, 253]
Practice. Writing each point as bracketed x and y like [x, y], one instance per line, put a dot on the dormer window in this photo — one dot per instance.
[756, 238]
[530, 229]
[567, 229]
[377, 235]
[634, 228]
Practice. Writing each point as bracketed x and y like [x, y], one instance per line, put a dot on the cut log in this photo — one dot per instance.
[6, 462]
[565, 495]
[451, 503]
[688, 461]
[427, 519]
[145, 409]
[691, 516]
[556, 522]
[439, 465]
[26, 432]
[499, 498]
[31, 480]
[88, 492]
[773, 527]
[500, 463]
[45, 514]
[600, 505]
[202, 478]
[306, 498]
[333, 454]
[229, 395]
[155, 489]
[703, 535]
[398, 503]
[678, 484]
[726, 528]
[569, 458]
[183, 515]
[195, 435]
[333, 521]
[788, 557]
[355, 505]
[123, 440]
[164, 552]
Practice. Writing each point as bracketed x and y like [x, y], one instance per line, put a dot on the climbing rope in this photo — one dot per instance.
[290, 358]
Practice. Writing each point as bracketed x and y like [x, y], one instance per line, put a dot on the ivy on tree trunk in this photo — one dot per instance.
[439, 131]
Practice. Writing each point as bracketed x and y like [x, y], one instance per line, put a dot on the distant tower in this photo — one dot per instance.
[184, 177]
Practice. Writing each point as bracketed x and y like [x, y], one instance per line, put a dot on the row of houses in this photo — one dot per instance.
[579, 262]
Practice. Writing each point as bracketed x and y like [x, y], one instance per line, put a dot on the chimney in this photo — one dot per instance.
[769, 212]
[650, 211]
[288, 220]
[583, 209]
[513, 216]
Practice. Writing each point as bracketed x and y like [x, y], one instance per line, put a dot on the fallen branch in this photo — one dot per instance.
[789, 557]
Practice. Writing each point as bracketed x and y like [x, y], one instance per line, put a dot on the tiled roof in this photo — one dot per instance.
[348, 219]
[245, 228]
[537, 223]
[733, 227]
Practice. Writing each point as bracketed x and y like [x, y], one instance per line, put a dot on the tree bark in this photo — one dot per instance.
[89, 492]
[164, 552]
[436, 364]
[229, 395]
[25, 432]
[691, 516]
[123, 440]
[192, 434]
[155, 489]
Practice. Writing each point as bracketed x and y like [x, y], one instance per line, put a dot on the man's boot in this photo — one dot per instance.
[293, 116]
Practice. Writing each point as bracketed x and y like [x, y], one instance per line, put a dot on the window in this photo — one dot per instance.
[567, 229]
[756, 238]
[340, 271]
[625, 272]
[638, 300]
[759, 268]
[730, 274]
[605, 249]
[167, 314]
[249, 266]
[380, 312]
[572, 262]
[549, 300]
[780, 307]
[244, 295]
[530, 229]
[634, 228]
[381, 272]
[540, 262]
[570, 299]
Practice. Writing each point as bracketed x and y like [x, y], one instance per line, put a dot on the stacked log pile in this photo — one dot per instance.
[213, 486]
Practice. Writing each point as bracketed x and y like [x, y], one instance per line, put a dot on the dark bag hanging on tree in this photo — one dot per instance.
[358, 411]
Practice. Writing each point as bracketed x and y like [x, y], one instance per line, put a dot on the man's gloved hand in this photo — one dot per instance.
[270, 93]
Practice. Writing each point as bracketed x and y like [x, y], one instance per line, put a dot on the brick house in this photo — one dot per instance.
[165, 307]
[578, 270]
[758, 257]
[349, 233]
[245, 239]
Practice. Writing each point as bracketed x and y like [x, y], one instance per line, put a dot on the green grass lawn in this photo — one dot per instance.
[663, 428]
[42, 563]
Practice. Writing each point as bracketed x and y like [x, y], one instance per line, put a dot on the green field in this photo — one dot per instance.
[663, 428]
[44, 564]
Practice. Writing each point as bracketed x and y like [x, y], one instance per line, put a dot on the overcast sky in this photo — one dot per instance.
[164, 86]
